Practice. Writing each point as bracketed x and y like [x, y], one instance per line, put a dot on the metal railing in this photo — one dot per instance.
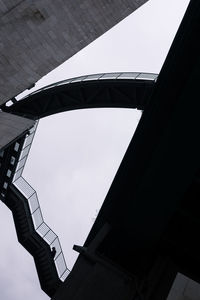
[101, 76]
[31, 196]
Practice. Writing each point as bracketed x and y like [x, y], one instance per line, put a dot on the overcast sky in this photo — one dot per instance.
[76, 154]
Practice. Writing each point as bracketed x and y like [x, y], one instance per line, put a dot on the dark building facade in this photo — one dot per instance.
[33, 233]
[145, 238]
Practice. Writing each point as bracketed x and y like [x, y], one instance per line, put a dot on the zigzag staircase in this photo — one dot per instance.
[32, 232]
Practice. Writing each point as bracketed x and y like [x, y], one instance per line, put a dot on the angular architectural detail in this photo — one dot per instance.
[45, 33]
[148, 226]
[32, 232]
[127, 90]
[11, 127]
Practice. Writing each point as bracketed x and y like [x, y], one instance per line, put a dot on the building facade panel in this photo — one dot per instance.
[12, 126]
[37, 36]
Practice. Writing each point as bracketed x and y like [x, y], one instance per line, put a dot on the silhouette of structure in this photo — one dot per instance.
[99, 90]
[147, 229]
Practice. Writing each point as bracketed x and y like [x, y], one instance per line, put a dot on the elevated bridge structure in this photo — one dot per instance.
[129, 90]
[148, 227]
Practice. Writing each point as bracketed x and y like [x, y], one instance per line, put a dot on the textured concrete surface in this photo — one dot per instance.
[184, 288]
[37, 36]
[11, 127]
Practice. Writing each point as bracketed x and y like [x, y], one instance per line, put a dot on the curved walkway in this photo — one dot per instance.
[125, 90]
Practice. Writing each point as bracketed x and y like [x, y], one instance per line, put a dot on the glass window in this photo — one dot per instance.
[5, 185]
[92, 77]
[60, 264]
[16, 147]
[12, 160]
[33, 202]
[24, 152]
[128, 75]
[28, 140]
[110, 76]
[147, 76]
[21, 163]
[17, 175]
[37, 218]
[50, 237]
[78, 79]
[9, 103]
[43, 229]
[8, 174]
[24, 187]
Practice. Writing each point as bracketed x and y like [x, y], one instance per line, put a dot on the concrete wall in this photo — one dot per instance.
[90, 280]
[96, 281]
[37, 36]
[184, 288]
[11, 127]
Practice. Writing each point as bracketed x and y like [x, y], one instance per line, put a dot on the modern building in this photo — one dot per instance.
[99, 90]
[37, 36]
[145, 238]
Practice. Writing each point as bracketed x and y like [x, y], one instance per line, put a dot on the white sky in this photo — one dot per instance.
[76, 154]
